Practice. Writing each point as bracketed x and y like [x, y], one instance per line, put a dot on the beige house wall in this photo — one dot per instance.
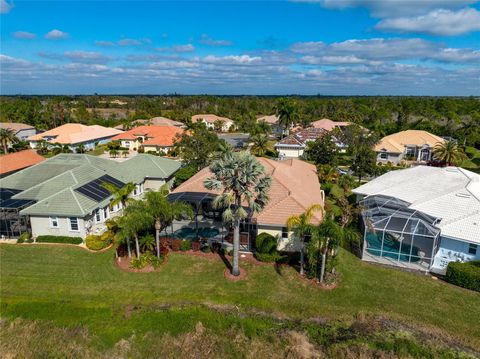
[41, 227]
[289, 244]
[289, 152]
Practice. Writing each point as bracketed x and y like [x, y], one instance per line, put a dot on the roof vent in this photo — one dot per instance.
[463, 195]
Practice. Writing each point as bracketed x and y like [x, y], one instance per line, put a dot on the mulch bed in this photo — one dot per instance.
[229, 276]
[124, 265]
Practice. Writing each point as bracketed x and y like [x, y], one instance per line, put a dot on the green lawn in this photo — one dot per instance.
[73, 287]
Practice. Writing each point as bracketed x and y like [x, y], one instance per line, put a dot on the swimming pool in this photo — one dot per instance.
[391, 248]
[190, 233]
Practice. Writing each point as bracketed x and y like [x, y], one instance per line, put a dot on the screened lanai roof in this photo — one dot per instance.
[393, 215]
[193, 197]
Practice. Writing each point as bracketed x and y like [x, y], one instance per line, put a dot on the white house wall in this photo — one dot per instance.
[289, 244]
[452, 250]
[41, 227]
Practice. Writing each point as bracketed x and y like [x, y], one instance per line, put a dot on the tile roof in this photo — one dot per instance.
[272, 119]
[396, 142]
[295, 187]
[15, 126]
[18, 160]
[72, 133]
[210, 118]
[52, 183]
[159, 121]
[156, 135]
[300, 138]
[451, 193]
[329, 125]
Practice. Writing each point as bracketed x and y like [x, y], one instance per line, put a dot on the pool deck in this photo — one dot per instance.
[420, 266]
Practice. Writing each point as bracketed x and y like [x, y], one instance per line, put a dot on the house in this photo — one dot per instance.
[294, 145]
[421, 217]
[17, 161]
[294, 188]
[329, 125]
[214, 122]
[151, 138]
[155, 121]
[413, 145]
[74, 134]
[63, 195]
[273, 122]
[21, 130]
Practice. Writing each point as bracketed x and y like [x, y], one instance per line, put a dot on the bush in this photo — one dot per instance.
[96, 243]
[196, 246]
[25, 237]
[146, 259]
[466, 275]
[59, 239]
[176, 244]
[265, 243]
[267, 257]
[185, 246]
[205, 248]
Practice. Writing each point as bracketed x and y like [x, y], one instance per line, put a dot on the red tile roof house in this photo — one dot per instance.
[74, 134]
[151, 138]
[295, 187]
[21, 130]
[17, 161]
[211, 120]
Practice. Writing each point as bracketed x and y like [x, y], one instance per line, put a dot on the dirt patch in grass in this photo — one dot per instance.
[124, 264]
[228, 275]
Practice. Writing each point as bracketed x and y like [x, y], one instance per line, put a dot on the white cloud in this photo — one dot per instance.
[437, 22]
[207, 40]
[24, 35]
[56, 35]
[5, 6]
[129, 42]
[104, 43]
[88, 57]
[183, 48]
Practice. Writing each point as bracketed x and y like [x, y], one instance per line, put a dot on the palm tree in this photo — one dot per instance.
[7, 136]
[135, 220]
[243, 182]
[287, 112]
[448, 152]
[302, 226]
[260, 144]
[125, 153]
[163, 212]
[120, 194]
[42, 147]
[59, 148]
[81, 148]
[113, 153]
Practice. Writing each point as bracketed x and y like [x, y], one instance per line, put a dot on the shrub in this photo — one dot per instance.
[146, 259]
[59, 239]
[267, 257]
[24, 237]
[196, 246]
[96, 243]
[185, 246]
[205, 248]
[176, 243]
[266, 243]
[466, 275]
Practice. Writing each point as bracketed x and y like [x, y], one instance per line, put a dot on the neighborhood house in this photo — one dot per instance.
[151, 138]
[294, 145]
[17, 161]
[421, 217]
[214, 122]
[21, 130]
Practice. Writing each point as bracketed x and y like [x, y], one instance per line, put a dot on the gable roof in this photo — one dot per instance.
[300, 138]
[156, 135]
[396, 142]
[450, 193]
[210, 118]
[52, 183]
[18, 160]
[328, 124]
[16, 126]
[72, 133]
[294, 188]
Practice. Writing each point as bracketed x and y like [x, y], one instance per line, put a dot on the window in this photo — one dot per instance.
[383, 155]
[73, 223]
[54, 222]
[98, 216]
[472, 248]
[127, 143]
[284, 232]
[105, 212]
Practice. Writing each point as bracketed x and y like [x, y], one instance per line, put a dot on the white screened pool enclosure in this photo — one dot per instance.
[395, 234]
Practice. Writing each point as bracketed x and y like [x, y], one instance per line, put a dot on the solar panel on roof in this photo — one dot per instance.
[95, 190]
[6, 200]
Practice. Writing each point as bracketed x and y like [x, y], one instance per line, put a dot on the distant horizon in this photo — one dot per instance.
[269, 48]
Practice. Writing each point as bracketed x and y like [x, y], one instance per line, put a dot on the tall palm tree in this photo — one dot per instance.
[120, 194]
[243, 182]
[81, 148]
[113, 153]
[135, 220]
[163, 212]
[302, 226]
[287, 112]
[448, 152]
[260, 144]
[59, 148]
[7, 136]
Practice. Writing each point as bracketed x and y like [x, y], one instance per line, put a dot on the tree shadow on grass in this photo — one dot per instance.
[227, 263]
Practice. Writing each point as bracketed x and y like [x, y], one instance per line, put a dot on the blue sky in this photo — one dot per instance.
[331, 47]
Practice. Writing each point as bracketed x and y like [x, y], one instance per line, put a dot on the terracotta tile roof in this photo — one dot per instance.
[210, 118]
[18, 160]
[72, 133]
[156, 135]
[301, 137]
[329, 125]
[396, 142]
[295, 187]
[15, 126]
[272, 119]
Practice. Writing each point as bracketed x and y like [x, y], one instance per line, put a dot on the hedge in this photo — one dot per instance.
[59, 239]
[96, 243]
[466, 275]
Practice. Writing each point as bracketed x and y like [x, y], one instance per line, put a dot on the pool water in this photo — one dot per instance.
[190, 233]
[391, 245]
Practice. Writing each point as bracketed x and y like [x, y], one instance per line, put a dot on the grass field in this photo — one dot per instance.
[71, 288]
